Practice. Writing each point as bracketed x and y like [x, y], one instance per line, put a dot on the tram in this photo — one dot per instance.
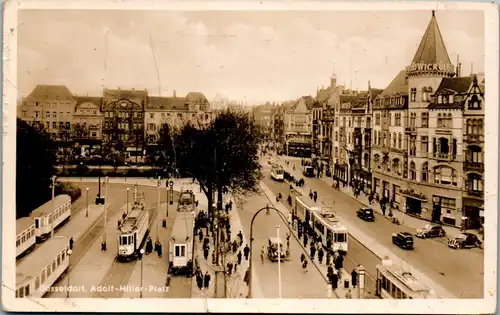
[324, 223]
[277, 173]
[181, 244]
[394, 282]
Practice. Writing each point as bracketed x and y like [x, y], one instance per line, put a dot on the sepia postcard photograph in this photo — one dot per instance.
[293, 157]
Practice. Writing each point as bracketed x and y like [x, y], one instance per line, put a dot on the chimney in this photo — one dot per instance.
[459, 66]
[174, 94]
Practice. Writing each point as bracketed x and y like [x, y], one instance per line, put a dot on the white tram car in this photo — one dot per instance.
[394, 282]
[51, 215]
[277, 173]
[181, 244]
[186, 201]
[323, 222]
[25, 235]
[133, 230]
[39, 270]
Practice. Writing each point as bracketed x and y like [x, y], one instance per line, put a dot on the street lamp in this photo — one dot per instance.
[87, 209]
[128, 189]
[51, 218]
[267, 208]
[279, 262]
[142, 253]
[69, 252]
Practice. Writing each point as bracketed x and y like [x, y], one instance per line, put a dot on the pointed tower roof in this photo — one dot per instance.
[431, 56]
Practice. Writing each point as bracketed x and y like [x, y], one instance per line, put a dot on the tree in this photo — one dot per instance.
[163, 154]
[222, 154]
[36, 160]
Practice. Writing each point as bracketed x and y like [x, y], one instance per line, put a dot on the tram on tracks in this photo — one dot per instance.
[181, 244]
[51, 215]
[39, 270]
[397, 282]
[332, 233]
[278, 173]
[133, 229]
[25, 235]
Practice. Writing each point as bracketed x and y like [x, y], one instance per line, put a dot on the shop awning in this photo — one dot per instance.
[413, 195]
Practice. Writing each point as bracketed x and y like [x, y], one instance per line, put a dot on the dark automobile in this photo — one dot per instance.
[430, 230]
[464, 240]
[366, 214]
[308, 171]
[403, 240]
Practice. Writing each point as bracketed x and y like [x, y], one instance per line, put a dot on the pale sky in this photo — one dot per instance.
[243, 55]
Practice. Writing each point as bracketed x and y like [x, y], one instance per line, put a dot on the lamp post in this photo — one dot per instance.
[51, 218]
[103, 244]
[158, 210]
[142, 253]
[267, 208]
[69, 252]
[87, 208]
[128, 189]
[279, 262]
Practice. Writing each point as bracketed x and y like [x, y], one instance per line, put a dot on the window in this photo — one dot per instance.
[152, 126]
[413, 118]
[445, 175]
[413, 173]
[368, 122]
[54, 125]
[397, 119]
[474, 154]
[152, 115]
[474, 182]
[425, 120]
[47, 114]
[440, 99]
[385, 140]
[439, 121]
[449, 121]
[37, 282]
[394, 139]
[413, 94]
[400, 140]
[377, 119]
[451, 99]
[49, 271]
[336, 136]
[474, 102]
[54, 114]
[378, 137]
[180, 250]
[425, 172]
[445, 99]
[424, 143]
[396, 168]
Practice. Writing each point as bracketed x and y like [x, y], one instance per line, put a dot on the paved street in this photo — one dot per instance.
[460, 272]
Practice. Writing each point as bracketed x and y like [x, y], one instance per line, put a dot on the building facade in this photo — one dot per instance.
[263, 118]
[88, 121]
[298, 128]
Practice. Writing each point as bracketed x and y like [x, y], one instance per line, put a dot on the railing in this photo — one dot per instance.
[475, 193]
[473, 138]
[474, 166]
[410, 129]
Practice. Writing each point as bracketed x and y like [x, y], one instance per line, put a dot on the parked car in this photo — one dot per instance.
[403, 240]
[308, 171]
[431, 230]
[366, 214]
[464, 240]
[274, 245]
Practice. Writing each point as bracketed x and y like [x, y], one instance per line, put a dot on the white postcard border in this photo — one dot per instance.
[456, 306]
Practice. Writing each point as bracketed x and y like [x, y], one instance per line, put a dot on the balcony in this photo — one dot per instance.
[472, 138]
[443, 157]
[475, 193]
[474, 166]
[411, 130]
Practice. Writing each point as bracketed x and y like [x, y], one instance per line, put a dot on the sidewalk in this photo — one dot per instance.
[91, 269]
[79, 224]
[379, 250]
[340, 292]
[235, 287]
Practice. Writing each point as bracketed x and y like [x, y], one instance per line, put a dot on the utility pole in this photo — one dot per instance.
[106, 184]
[158, 210]
[53, 207]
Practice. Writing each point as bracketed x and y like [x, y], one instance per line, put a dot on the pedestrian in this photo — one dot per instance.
[330, 270]
[320, 255]
[206, 280]
[311, 194]
[206, 241]
[229, 268]
[262, 255]
[160, 252]
[335, 280]
[313, 250]
[167, 281]
[287, 240]
[354, 278]
[304, 265]
[149, 246]
[246, 251]
[339, 262]
[305, 240]
[124, 215]
[240, 236]
[239, 257]
[328, 257]
[71, 243]
[200, 235]
[199, 281]
[205, 252]
[119, 223]
[315, 196]
[302, 257]
[235, 246]
[348, 295]
[289, 199]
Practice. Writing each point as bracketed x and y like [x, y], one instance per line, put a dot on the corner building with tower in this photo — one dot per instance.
[428, 138]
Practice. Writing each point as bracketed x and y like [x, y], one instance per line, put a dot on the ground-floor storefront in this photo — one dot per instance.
[425, 201]
[298, 149]
[473, 214]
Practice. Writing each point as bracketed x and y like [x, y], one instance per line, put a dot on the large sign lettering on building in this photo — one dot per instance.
[431, 67]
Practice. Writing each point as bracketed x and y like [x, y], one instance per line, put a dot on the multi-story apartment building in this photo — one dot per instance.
[50, 106]
[123, 112]
[88, 122]
[298, 128]
[421, 138]
[263, 117]
[473, 137]
[176, 112]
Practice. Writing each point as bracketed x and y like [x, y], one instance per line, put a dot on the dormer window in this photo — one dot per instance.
[474, 102]
[451, 99]
[445, 99]
[440, 99]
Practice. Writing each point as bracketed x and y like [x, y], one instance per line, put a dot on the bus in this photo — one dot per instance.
[277, 173]
[396, 282]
